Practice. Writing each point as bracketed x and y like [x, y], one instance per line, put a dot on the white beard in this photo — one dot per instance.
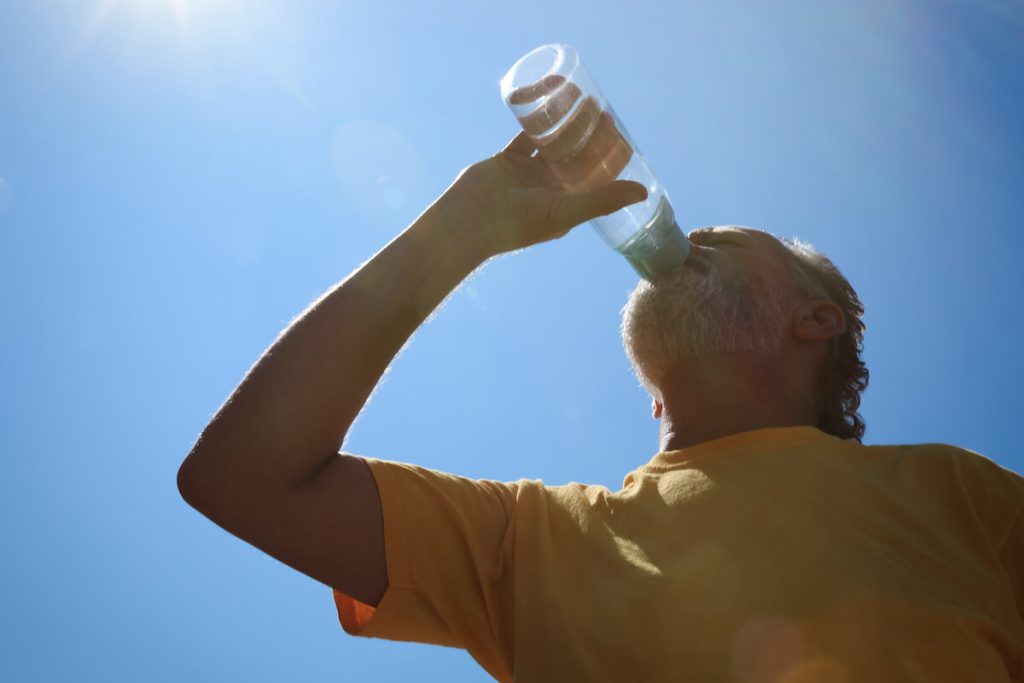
[694, 312]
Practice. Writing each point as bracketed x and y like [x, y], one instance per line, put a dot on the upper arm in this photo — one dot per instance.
[1012, 557]
[330, 527]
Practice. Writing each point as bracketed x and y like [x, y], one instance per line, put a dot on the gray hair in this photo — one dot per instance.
[843, 375]
[694, 311]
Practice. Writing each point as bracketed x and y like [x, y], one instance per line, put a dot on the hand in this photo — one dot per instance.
[515, 200]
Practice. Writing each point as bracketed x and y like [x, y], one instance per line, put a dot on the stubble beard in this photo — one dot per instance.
[694, 312]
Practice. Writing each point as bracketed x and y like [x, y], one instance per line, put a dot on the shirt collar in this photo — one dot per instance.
[770, 438]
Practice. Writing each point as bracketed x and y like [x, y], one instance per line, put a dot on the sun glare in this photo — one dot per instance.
[183, 14]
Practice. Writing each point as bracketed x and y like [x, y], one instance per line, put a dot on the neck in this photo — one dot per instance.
[712, 397]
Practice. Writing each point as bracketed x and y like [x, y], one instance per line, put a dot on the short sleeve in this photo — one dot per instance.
[997, 499]
[448, 551]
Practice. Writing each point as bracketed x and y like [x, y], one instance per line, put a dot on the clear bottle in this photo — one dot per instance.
[577, 133]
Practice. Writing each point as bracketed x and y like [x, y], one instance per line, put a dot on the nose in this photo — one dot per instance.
[697, 235]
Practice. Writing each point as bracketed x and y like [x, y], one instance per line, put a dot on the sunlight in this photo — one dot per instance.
[96, 19]
[201, 36]
[183, 14]
[181, 11]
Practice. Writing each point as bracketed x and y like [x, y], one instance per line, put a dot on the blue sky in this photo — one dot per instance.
[178, 179]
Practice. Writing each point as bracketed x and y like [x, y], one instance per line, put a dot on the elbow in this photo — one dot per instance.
[207, 487]
[192, 483]
[186, 481]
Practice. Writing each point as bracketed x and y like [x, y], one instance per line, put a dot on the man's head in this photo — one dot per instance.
[742, 291]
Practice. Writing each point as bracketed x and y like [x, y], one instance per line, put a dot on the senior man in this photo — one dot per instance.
[763, 542]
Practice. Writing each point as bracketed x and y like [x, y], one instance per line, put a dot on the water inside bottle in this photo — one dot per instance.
[579, 137]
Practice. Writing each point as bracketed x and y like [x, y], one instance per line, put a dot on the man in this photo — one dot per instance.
[762, 543]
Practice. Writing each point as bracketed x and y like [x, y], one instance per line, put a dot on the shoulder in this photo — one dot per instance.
[574, 499]
[956, 460]
[994, 492]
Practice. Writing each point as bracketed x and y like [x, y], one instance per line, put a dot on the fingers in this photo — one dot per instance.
[589, 150]
[520, 144]
[575, 208]
[529, 169]
[542, 175]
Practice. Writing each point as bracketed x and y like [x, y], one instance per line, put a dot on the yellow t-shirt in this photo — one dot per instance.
[776, 555]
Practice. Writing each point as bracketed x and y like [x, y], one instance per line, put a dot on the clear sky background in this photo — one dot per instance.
[179, 179]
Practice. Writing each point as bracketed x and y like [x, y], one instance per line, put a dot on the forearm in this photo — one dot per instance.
[290, 414]
[288, 417]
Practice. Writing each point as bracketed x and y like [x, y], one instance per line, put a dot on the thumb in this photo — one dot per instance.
[579, 207]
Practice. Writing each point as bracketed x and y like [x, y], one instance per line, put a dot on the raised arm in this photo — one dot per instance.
[267, 466]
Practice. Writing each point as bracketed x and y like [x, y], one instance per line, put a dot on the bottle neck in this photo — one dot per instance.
[665, 249]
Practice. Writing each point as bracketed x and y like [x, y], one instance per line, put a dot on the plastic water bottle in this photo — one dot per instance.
[581, 139]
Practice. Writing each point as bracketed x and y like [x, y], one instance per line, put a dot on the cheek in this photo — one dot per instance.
[767, 274]
[733, 267]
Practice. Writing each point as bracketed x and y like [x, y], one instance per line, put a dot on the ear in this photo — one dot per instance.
[656, 409]
[819, 320]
